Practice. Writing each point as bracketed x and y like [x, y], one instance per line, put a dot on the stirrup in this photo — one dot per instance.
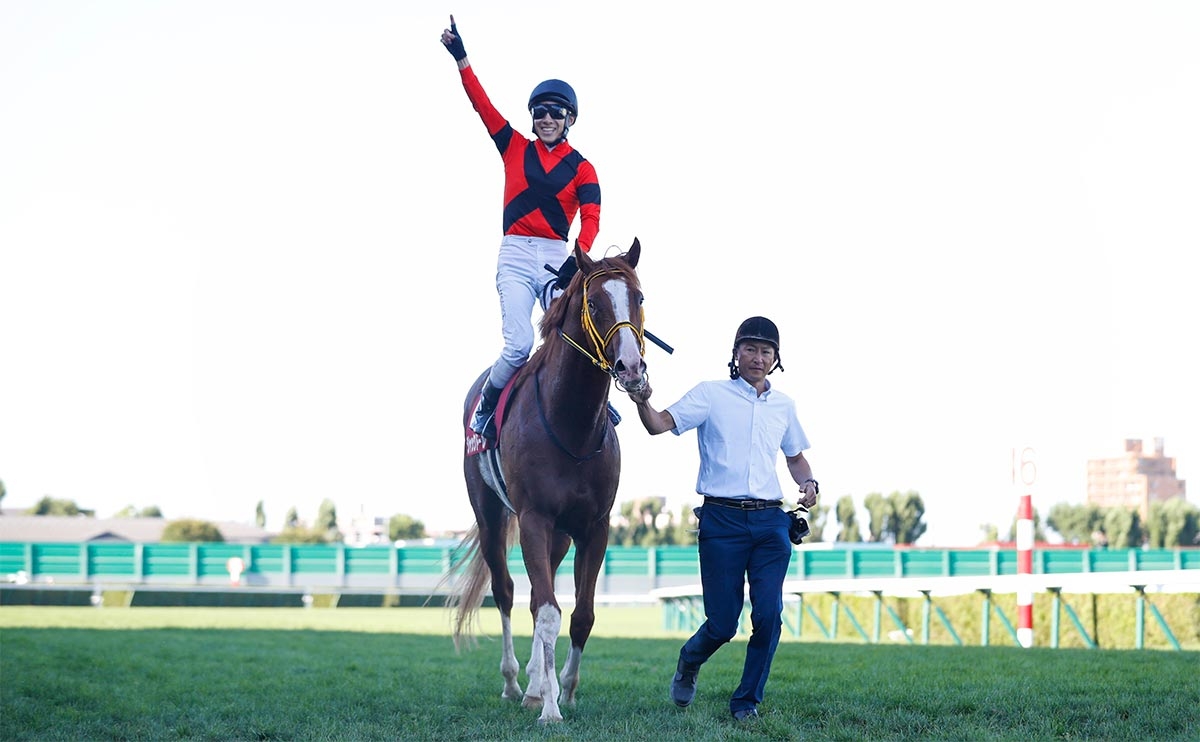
[484, 423]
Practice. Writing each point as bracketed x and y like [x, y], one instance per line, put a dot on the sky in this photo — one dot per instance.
[247, 249]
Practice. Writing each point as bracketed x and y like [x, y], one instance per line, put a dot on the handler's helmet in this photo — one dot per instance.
[756, 328]
[555, 91]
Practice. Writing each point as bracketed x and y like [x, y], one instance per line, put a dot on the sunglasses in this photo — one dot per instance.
[558, 113]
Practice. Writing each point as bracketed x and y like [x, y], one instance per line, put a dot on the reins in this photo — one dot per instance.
[537, 394]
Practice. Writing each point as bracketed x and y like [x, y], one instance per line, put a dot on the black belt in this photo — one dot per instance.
[742, 503]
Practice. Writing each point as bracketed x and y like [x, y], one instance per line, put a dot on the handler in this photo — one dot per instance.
[741, 425]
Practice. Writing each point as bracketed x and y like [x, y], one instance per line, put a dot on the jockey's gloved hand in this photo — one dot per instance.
[566, 272]
[456, 47]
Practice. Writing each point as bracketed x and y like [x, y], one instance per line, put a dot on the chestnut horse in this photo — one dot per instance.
[556, 477]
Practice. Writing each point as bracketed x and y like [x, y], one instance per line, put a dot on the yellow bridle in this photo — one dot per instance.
[600, 342]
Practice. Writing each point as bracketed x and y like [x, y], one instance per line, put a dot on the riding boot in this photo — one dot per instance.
[483, 421]
[613, 415]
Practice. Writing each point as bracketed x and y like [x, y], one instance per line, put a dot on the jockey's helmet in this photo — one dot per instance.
[556, 91]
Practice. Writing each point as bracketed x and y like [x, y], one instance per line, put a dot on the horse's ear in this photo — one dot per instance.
[582, 260]
[635, 252]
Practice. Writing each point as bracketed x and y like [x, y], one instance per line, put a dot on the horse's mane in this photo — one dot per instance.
[552, 320]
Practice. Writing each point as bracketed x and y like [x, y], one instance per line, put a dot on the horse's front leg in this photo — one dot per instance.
[589, 555]
[540, 669]
[537, 543]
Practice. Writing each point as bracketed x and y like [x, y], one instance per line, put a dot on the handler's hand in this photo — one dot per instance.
[808, 494]
[453, 41]
[642, 395]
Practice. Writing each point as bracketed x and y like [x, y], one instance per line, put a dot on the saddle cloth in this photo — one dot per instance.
[476, 443]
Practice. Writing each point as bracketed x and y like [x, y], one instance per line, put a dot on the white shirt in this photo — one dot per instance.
[740, 434]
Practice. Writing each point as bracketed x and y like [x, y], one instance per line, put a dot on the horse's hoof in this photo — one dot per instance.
[532, 702]
[509, 696]
[544, 720]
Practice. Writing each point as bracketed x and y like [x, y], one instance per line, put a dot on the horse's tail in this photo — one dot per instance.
[467, 597]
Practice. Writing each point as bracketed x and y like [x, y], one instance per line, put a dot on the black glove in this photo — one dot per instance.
[566, 272]
[456, 47]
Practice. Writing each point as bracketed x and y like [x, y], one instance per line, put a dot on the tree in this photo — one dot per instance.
[1075, 523]
[190, 529]
[324, 529]
[847, 517]
[326, 518]
[817, 518]
[879, 511]
[647, 522]
[1156, 526]
[638, 523]
[300, 535]
[51, 506]
[1039, 533]
[3, 492]
[1173, 523]
[129, 511]
[405, 527]
[1183, 523]
[1123, 528]
[908, 512]
[684, 527]
[260, 515]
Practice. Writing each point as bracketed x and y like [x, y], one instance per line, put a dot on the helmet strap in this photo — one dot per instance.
[735, 372]
[562, 137]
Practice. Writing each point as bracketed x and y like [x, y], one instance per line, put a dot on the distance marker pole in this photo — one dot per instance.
[1025, 567]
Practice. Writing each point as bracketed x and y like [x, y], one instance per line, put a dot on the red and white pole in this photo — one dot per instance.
[1025, 567]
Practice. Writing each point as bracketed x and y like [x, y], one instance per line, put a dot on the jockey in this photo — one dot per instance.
[546, 182]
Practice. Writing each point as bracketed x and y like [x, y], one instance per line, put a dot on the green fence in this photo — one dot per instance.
[639, 567]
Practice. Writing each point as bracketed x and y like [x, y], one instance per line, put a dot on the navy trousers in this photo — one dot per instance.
[736, 546]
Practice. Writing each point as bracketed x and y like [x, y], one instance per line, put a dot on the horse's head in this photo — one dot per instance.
[608, 297]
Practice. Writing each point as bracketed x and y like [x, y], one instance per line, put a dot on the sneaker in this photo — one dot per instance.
[683, 685]
[745, 714]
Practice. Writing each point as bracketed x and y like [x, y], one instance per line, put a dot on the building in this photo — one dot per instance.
[364, 529]
[18, 527]
[1133, 480]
